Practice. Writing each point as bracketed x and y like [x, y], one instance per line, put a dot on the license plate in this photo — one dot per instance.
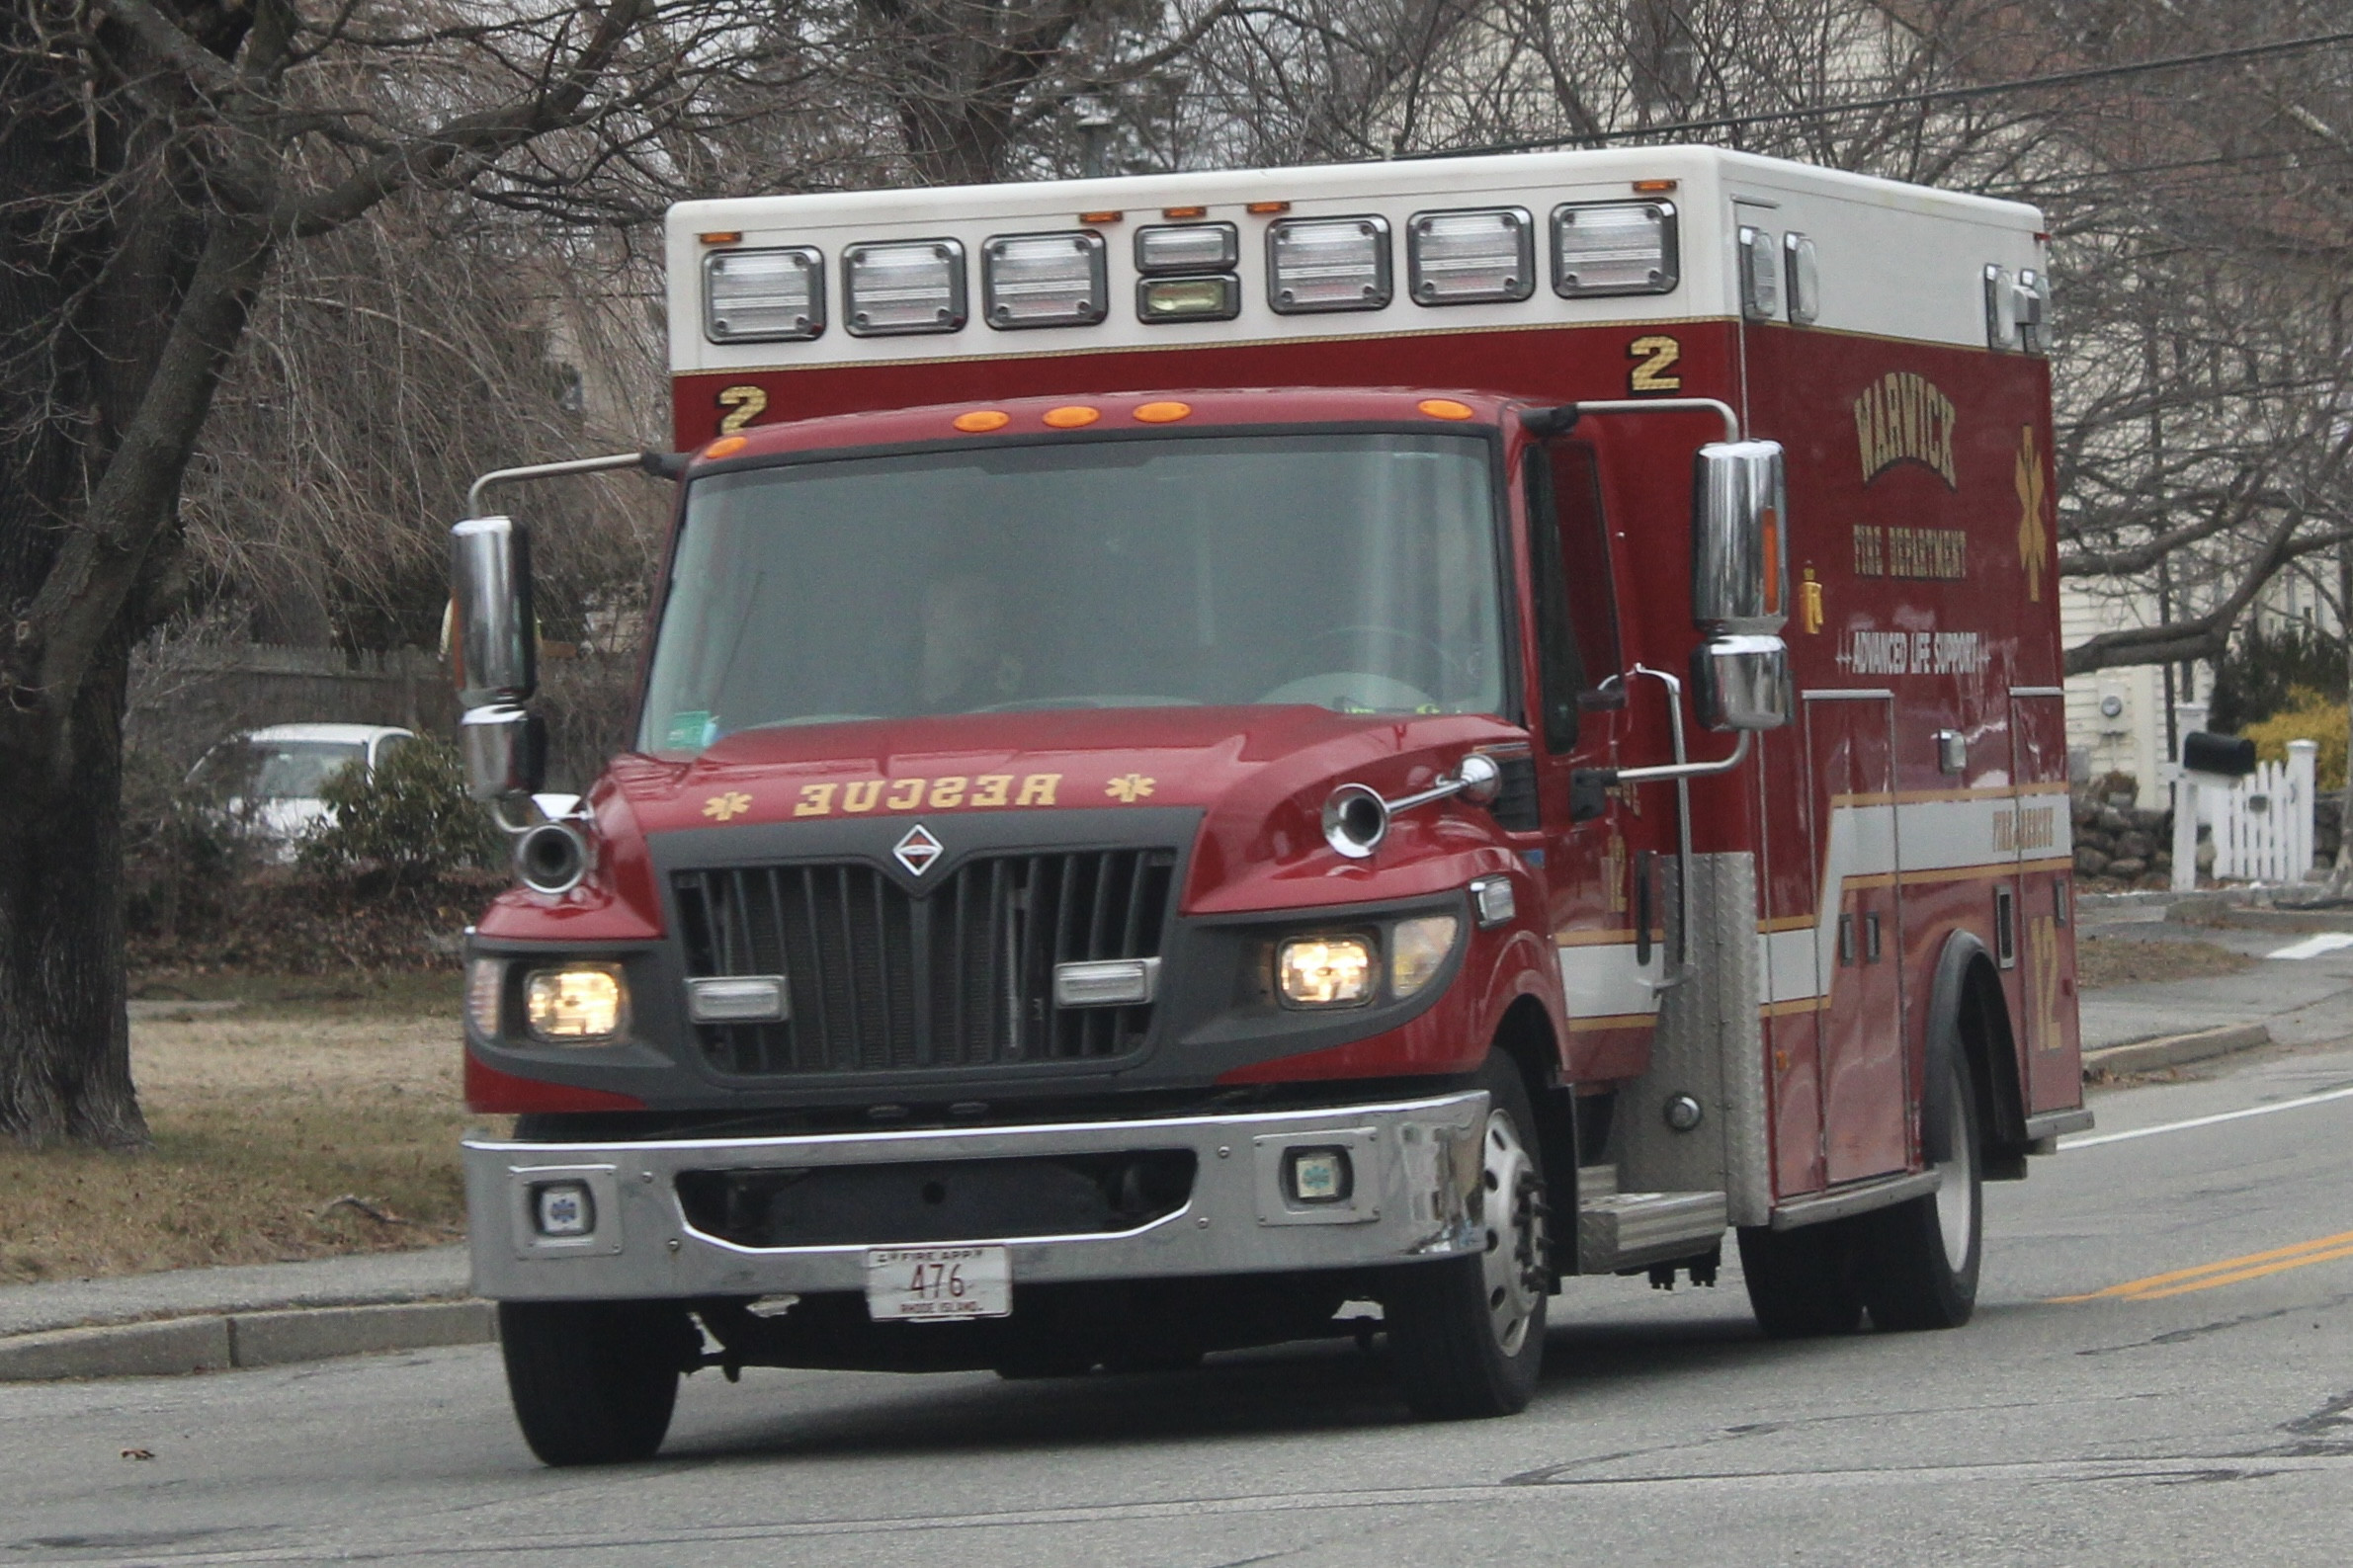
[938, 1284]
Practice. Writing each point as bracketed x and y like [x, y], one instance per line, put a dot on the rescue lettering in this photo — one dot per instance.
[954, 792]
[1903, 418]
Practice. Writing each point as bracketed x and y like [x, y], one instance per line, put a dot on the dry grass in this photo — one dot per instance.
[2119, 960]
[264, 1117]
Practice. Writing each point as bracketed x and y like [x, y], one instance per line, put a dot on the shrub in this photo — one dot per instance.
[2307, 715]
[2263, 674]
[181, 850]
[411, 820]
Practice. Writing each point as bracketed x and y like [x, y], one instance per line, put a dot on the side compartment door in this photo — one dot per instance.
[1858, 938]
[2041, 926]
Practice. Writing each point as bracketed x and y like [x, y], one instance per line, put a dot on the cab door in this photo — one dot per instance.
[1601, 868]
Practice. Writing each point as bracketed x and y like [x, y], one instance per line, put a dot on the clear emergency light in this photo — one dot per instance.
[1464, 258]
[763, 296]
[1186, 248]
[1317, 264]
[911, 286]
[1044, 280]
[1613, 248]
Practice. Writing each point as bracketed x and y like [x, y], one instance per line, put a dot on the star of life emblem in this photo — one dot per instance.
[918, 850]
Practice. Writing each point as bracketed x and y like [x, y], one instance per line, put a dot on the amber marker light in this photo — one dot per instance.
[980, 421]
[1101, 218]
[1653, 187]
[1163, 413]
[725, 446]
[722, 236]
[1184, 212]
[1444, 408]
[1268, 208]
[1072, 416]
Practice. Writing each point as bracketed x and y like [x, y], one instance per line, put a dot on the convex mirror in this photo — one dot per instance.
[1742, 682]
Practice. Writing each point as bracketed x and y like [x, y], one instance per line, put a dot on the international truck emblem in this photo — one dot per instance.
[918, 850]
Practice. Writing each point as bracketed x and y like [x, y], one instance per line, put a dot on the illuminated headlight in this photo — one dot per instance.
[763, 296]
[1044, 280]
[1188, 299]
[1188, 248]
[1613, 248]
[916, 287]
[485, 981]
[1324, 971]
[1417, 951]
[1462, 257]
[579, 1004]
[1327, 263]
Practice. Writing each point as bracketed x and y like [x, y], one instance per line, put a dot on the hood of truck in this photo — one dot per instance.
[1258, 776]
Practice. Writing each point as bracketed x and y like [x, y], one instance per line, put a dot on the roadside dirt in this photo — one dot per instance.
[292, 1126]
[2121, 961]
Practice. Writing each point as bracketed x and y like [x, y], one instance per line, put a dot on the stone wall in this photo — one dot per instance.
[2118, 847]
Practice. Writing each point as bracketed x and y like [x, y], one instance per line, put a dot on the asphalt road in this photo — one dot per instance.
[2202, 1417]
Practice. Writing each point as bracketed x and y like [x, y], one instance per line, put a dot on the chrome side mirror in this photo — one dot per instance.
[505, 749]
[1742, 682]
[494, 645]
[1739, 556]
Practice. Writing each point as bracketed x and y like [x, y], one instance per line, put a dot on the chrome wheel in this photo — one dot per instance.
[1956, 1192]
[1512, 1213]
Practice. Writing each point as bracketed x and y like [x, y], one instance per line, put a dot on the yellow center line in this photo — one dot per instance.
[2205, 1276]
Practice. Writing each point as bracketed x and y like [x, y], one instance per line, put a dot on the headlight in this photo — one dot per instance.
[1417, 951]
[1324, 971]
[580, 1004]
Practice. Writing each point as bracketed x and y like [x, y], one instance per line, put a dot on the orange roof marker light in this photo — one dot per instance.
[722, 236]
[1101, 218]
[1264, 208]
[1072, 416]
[1184, 212]
[1163, 413]
[1653, 187]
[725, 446]
[980, 421]
[1444, 408]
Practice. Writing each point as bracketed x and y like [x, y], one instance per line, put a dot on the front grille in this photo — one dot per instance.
[881, 980]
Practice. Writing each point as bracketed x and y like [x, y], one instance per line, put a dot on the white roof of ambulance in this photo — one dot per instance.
[1897, 261]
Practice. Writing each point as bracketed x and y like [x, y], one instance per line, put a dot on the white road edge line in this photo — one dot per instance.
[2066, 1145]
[2315, 947]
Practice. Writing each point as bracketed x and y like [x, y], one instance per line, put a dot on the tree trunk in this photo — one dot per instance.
[66, 1063]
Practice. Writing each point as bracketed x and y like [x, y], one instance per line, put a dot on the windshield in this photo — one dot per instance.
[294, 769]
[1355, 572]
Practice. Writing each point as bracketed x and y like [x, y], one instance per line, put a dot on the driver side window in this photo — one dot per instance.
[1576, 610]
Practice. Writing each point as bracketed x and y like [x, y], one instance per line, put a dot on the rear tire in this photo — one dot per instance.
[1800, 1282]
[594, 1383]
[1920, 1259]
[1467, 1336]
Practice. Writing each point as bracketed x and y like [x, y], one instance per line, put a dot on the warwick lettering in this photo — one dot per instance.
[1903, 418]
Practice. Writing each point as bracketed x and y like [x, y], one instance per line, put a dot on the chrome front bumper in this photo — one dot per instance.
[1416, 1167]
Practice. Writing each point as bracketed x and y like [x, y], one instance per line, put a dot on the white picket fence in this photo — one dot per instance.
[2262, 829]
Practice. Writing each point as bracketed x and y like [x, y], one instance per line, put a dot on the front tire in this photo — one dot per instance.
[1467, 1334]
[594, 1383]
[1920, 1259]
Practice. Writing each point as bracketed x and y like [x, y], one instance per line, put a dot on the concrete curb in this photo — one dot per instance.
[217, 1342]
[2172, 1050]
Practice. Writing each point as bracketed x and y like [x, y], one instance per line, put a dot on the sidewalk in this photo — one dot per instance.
[261, 1315]
[2302, 1001]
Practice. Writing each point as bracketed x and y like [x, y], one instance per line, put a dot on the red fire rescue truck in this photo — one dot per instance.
[1229, 756]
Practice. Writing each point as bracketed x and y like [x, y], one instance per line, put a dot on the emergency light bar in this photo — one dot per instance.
[1613, 248]
[1186, 248]
[1044, 280]
[1317, 264]
[1465, 256]
[910, 286]
[763, 296]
